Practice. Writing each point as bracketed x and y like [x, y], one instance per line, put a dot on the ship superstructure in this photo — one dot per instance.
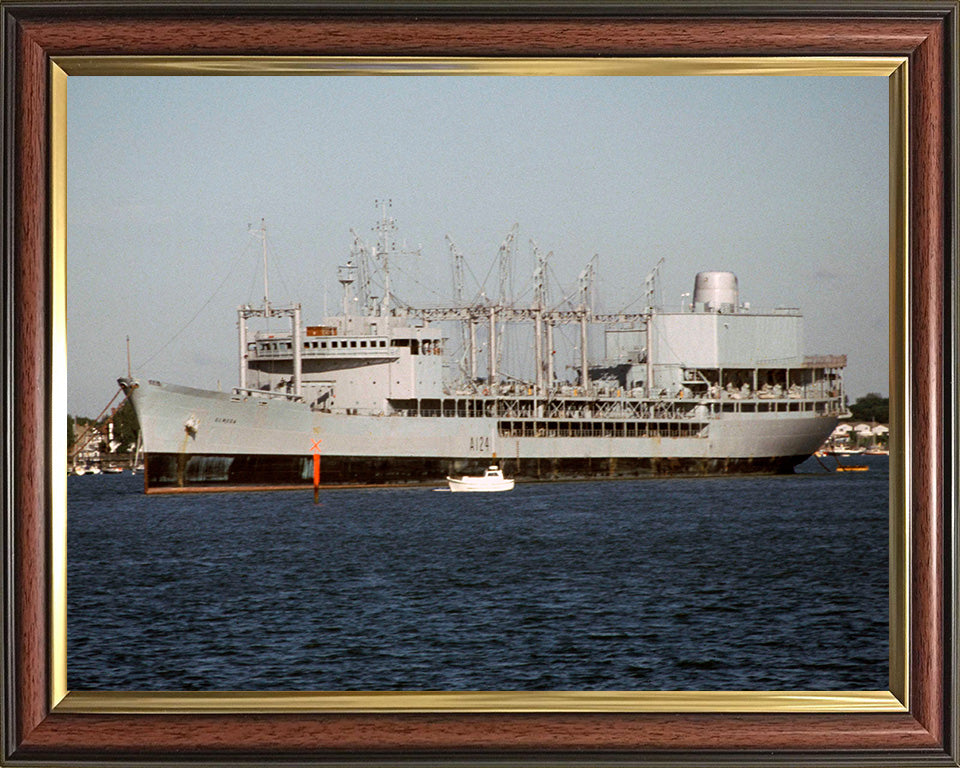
[712, 387]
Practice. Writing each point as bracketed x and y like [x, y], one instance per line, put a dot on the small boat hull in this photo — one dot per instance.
[478, 485]
[491, 480]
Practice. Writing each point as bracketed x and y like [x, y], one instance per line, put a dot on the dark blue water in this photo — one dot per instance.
[720, 583]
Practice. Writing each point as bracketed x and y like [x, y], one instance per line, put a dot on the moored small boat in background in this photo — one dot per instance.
[846, 451]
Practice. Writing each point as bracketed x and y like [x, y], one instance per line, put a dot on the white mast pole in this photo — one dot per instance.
[473, 350]
[584, 372]
[383, 248]
[538, 349]
[549, 354]
[540, 293]
[493, 349]
[586, 278]
[242, 351]
[650, 352]
[297, 353]
[266, 288]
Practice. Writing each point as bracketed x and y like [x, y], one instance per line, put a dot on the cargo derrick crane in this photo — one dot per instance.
[358, 256]
[504, 256]
[467, 335]
[549, 318]
[471, 315]
[543, 320]
[650, 282]
[539, 305]
[585, 311]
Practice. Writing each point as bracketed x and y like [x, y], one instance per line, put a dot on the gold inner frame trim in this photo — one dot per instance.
[849, 66]
[387, 702]
[373, 702]
[58, 383]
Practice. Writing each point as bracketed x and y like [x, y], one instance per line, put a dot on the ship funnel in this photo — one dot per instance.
[716, 291]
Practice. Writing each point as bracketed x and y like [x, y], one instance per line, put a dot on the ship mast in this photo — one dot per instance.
[262, 234]
[266, 312]
[382, 249]
[504, 258]
[539, 302]
[651, 285]
[467, 337]
[585, 311]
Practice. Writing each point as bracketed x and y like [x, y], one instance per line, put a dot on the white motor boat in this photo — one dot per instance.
[491, 480]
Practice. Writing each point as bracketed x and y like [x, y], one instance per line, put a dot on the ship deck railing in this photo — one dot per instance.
[579, 408]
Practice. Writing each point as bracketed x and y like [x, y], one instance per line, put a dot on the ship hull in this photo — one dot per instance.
[172, 472]
[195, 439]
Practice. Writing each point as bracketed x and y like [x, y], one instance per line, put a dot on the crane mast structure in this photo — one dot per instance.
[496, 315]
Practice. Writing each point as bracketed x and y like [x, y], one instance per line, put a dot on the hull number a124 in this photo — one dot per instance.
[480, 444]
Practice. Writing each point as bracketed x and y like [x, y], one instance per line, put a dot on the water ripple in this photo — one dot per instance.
[720, 583]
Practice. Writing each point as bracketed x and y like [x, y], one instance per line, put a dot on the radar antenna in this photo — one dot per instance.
[385, 247]
[650, 286]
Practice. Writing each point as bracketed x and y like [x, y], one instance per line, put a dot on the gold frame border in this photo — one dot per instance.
[442, 65]
[376, 702]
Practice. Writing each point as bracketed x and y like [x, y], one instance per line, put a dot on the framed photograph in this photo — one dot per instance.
[912, 49]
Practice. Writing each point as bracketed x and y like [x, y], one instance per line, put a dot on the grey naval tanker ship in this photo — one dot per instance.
[713, 387]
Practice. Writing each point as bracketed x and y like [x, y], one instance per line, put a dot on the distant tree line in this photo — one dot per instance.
[871, 407]
[125, 428]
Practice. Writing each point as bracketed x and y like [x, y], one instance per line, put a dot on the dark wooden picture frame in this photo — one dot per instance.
[35, 732]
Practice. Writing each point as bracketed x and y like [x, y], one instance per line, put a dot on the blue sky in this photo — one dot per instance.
[782, 180]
